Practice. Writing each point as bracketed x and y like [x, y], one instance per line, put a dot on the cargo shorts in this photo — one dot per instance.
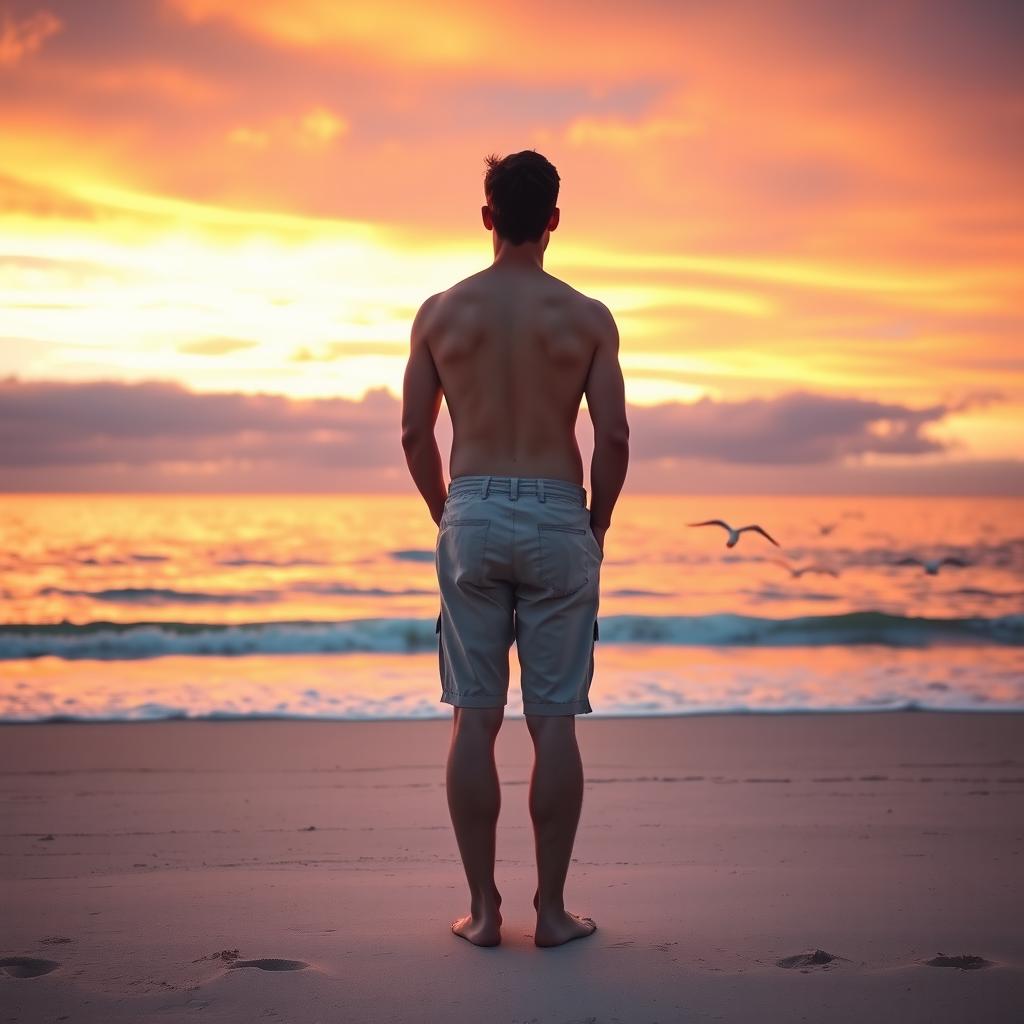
[517, 562]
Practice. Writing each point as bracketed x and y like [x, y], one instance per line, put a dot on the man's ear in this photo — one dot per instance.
[553, 223]
[485, 213]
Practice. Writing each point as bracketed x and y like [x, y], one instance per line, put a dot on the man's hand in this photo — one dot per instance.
[599, 532]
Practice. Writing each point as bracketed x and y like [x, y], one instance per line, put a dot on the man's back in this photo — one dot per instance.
[513, 348]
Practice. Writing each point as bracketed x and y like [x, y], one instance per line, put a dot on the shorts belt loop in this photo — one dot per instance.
[540, 491]
[513, 489]
[487, 485]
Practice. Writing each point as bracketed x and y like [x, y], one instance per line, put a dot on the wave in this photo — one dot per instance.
[168, 595]
[133, 640]
[162, 595]
[413, 555]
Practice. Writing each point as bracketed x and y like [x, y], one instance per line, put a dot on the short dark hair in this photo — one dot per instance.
[521, 190]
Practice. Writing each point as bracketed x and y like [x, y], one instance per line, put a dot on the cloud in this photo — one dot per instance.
[794, 428]
[322, 125]
[22, 198]
[457, 34]
[316, 128]
[334, 350]
[56, 424]
[215, 346]
[20, 37]
[159, 428]
[166, 82]
[678, 117]
[250, 138]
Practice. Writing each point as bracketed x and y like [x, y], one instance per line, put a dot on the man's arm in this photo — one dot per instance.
[421, 402]
[606, 401]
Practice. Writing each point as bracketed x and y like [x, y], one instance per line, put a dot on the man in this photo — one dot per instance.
[513, 350]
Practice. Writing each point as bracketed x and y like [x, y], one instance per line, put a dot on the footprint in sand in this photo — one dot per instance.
[963, 962]
[803, 961]
[27, 966]
[270, 964]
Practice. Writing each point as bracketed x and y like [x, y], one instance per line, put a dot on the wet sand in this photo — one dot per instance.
[768, 867]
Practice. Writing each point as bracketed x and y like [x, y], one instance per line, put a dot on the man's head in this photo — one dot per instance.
[521, 191]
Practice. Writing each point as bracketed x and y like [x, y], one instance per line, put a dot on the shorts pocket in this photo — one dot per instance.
[461, 551]
[564, 558]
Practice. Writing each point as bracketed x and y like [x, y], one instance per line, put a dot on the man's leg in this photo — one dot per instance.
[474, 799]
[556, 797]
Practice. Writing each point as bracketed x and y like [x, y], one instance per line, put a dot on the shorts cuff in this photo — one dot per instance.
[459, 701]
[572, 707]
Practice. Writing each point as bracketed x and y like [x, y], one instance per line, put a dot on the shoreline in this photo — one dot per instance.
[911, 708]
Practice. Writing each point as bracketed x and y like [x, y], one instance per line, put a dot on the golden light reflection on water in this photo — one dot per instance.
[252, 558]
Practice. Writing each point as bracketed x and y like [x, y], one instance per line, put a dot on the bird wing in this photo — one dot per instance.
[908, 561]
[955, 561]
[822, 570]
[713, 522]
[764, 533]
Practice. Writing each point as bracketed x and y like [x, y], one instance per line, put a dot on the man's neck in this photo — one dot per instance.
[527, 256]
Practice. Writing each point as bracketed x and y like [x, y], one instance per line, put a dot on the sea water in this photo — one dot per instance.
[156, 606]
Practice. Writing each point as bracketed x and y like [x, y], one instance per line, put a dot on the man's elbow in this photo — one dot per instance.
[414, 435]
[613, 437]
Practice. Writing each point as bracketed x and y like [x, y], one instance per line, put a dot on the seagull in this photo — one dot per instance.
[734, 535]
[796, 571]
[932, 565]
[826, 528]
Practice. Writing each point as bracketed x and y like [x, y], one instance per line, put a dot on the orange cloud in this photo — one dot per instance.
[551, 43]
[397, 28]
[21, 37]
[250, 138]
[321, 125]
[680, 117]
[162, 80]
[317, 128]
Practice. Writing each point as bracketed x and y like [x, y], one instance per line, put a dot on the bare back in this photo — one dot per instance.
[513, 348]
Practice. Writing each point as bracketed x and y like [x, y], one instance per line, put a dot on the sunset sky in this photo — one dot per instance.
[217, 220]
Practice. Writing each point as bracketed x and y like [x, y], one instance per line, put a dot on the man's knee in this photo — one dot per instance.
[551, 728]
[479, 721]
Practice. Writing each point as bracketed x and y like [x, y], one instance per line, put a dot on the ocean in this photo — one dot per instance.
[323, 606]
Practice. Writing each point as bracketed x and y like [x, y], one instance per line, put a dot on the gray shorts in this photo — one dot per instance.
[517, 561]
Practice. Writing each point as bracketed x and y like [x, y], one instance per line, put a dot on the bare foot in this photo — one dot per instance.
[482, 928]
[555, 929]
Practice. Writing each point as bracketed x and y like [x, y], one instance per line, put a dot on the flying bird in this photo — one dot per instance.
[826, 528]
[932, 565]
[734, 535]
[796, 571]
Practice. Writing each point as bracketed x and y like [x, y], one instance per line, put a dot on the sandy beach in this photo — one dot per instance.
[169, 871]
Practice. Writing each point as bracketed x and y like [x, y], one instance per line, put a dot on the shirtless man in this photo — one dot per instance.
[513, 350]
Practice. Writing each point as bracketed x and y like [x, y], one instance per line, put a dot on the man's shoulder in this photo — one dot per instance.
[585, 304]
[456, 293]
[591, 312]
[476, 290]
